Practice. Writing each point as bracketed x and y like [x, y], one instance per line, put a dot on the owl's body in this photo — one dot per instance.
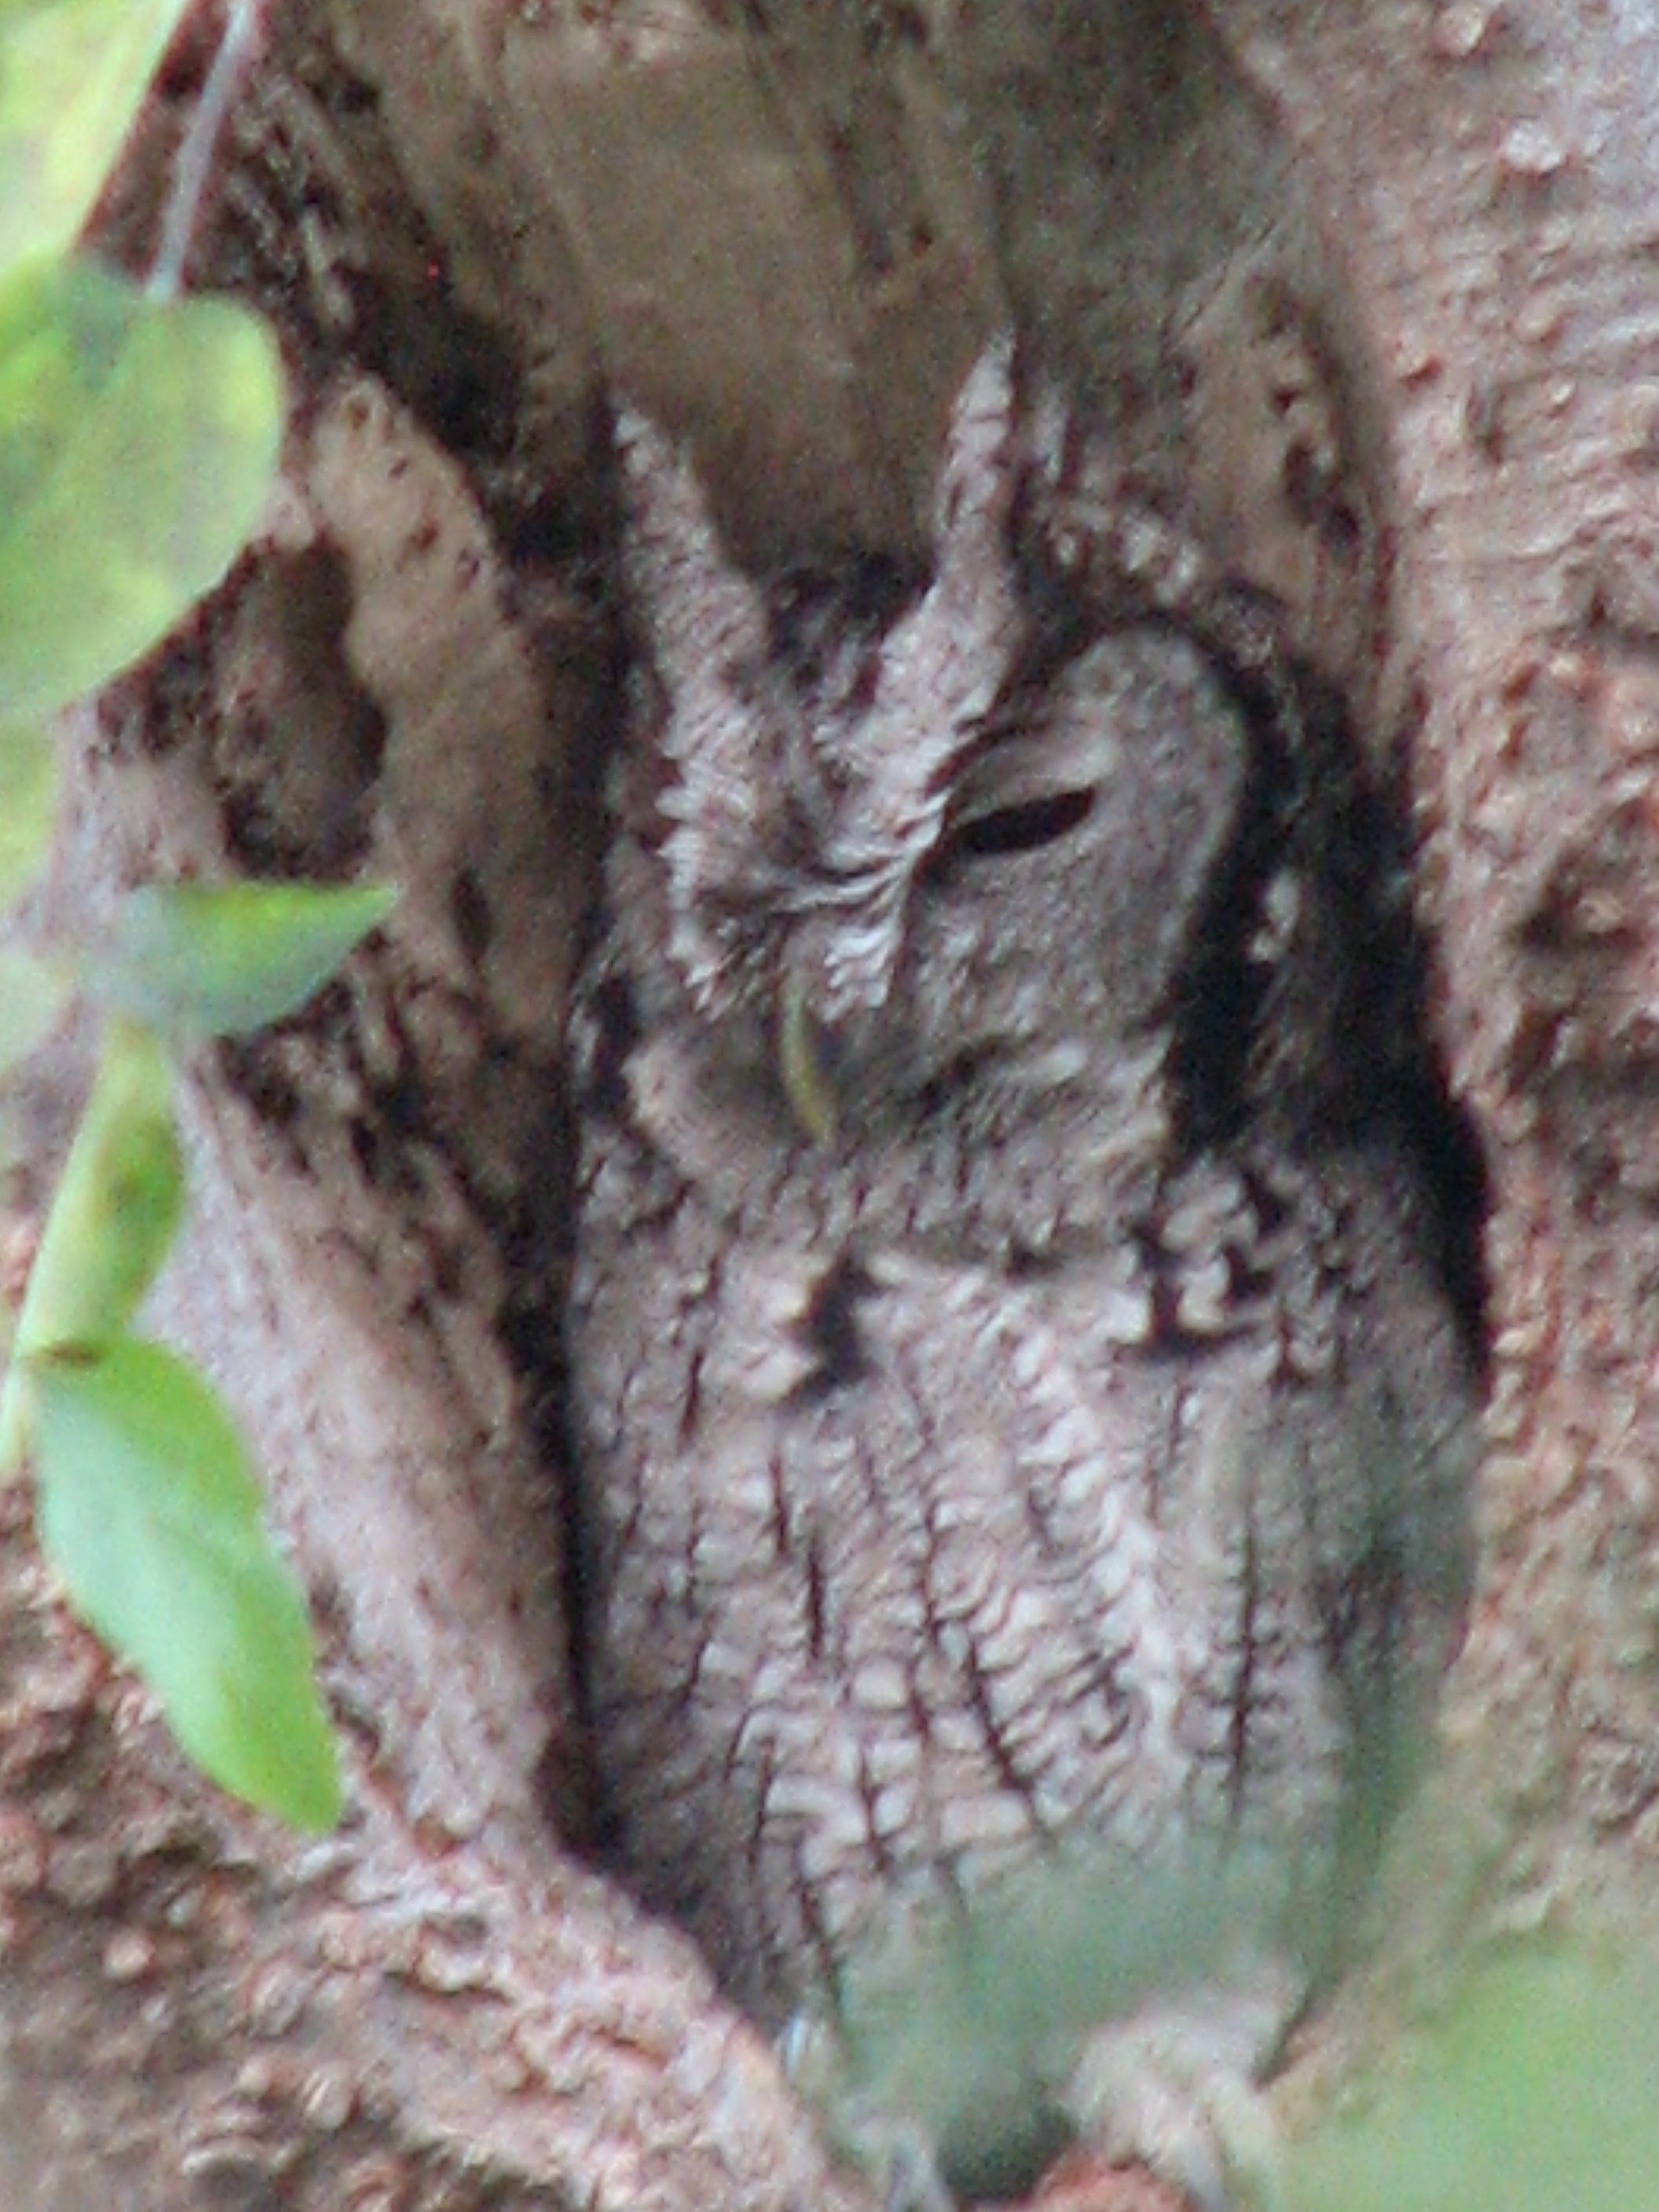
[1018, 1426]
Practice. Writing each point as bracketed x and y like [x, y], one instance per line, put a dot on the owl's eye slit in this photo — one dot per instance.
[1025, 828]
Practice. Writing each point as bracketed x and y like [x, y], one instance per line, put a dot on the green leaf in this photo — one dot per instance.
[72, 75]
[29, 804]
[950, 2024]
[149, 1510]
[115, 1213]
[213, 958]
[137, 442]
[32, 996]
[1538, 2089]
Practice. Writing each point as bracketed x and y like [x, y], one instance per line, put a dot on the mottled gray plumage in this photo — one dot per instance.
[1020, 1424]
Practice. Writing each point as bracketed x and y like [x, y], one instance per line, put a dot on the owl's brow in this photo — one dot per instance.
[816, 853]
[1046, 648]
[1001, 724]
[848, 887]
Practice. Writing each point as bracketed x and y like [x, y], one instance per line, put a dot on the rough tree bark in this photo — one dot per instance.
[1368, 291]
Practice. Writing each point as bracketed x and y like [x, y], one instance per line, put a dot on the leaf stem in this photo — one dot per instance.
[195, 157]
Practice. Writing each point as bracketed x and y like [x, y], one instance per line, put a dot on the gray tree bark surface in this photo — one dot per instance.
[1366, 291]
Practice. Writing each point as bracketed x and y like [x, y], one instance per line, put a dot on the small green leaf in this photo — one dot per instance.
[150, 1512]
[29, 804]
[210, 959]
[952, 2022]
[32, 996]
[137, 442]
[114, 1214]
[1538, 2089]
[72, 75]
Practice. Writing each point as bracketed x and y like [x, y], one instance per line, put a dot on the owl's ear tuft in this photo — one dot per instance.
[978, 447]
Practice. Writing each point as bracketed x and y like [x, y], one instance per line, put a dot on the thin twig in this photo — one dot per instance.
[195, 157]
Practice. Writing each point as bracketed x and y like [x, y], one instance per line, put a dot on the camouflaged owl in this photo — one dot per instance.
[1024, 1430]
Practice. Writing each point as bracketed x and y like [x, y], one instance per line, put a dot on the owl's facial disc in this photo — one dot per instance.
[850, 1029]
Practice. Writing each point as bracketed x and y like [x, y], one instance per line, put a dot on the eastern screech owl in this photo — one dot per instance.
[1024, 1440]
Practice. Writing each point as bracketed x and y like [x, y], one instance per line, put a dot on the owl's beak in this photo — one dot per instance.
[806, 1057]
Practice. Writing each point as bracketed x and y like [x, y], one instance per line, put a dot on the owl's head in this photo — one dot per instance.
[884, 850]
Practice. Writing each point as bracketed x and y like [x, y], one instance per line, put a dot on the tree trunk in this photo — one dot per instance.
[1366, 292]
